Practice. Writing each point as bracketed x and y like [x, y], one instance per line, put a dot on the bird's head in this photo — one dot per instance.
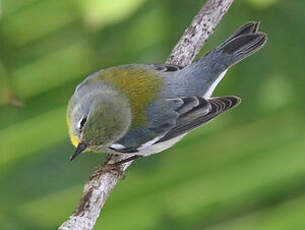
[98, 115]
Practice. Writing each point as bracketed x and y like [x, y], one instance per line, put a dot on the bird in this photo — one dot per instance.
[143, 109]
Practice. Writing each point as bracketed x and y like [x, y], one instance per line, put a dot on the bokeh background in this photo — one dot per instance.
[245, 170]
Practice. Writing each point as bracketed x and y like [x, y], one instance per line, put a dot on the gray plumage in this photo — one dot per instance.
[197, 78]
[191, 84]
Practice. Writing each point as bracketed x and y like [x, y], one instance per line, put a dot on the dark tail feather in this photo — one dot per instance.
[248, 28]
[243, 46]
[211, 68]
[242, 43]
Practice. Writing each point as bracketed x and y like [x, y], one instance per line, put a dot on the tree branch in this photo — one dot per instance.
[198, 32]
[104, 179]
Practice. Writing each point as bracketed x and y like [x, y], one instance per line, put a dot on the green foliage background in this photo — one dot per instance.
[245, 170]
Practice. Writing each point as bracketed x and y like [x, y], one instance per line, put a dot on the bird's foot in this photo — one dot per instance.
[114, 168]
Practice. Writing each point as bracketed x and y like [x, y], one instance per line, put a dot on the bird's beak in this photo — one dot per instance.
[80, 148]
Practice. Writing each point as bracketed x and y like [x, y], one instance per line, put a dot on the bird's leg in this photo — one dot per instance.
[134, 157]
[114, 167]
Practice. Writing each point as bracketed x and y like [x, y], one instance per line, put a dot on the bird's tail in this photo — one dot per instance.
[244, 42]
[241, 44]
[204, 75]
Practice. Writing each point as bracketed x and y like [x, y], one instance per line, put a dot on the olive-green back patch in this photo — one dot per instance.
[140, 86]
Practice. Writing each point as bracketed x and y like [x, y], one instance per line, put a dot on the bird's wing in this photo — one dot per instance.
[186, 114]
[203, 112]
[160, 118]
[164, 115]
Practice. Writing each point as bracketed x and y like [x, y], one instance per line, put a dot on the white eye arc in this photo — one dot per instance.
[81, 122]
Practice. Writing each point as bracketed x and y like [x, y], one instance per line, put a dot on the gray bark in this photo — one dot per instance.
[198, 32]
[104, 179]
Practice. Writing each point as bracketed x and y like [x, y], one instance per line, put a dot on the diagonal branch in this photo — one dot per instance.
[104, 179]
[198, 32]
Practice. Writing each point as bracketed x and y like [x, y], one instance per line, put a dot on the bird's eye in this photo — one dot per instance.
[82, 122]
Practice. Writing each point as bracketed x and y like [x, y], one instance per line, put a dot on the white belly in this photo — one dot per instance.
[159, 147]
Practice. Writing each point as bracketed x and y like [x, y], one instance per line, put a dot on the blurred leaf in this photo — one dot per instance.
[276, 93]
[7, 96]
[99, 13]
[53, 70]
[289, 215]
[261, 4]
[39, 20]
[12, 6]
[22, 139]
[32, 210]
[0, 9]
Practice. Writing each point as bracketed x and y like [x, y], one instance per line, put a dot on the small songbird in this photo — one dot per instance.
[144, 109]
